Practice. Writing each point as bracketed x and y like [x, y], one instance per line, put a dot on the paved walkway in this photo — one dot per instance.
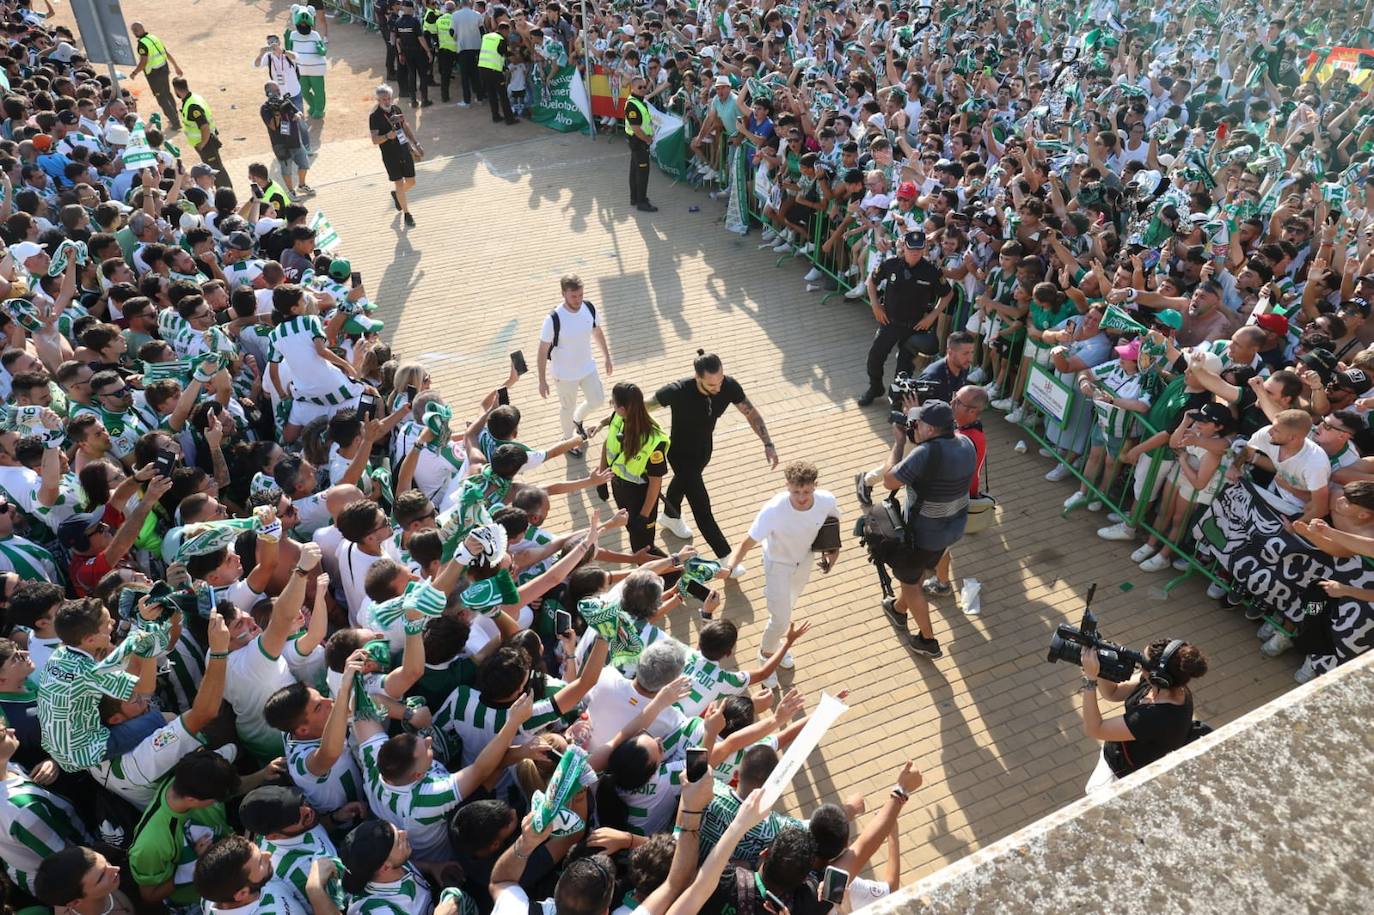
[503, 212]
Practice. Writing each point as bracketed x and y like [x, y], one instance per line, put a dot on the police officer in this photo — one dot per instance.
[199, 123]
[491, 63]
[914, 294]
[413, 55]
[448, 48]
[636, 451]
[388, 11]
[640, 128]
[430, 24]
[153, 60]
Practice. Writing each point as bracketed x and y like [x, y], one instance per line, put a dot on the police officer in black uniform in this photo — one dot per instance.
[914, 294]
[388, 11]
[415, 55]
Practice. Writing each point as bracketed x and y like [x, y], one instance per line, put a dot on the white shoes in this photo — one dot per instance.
[1119, 531]
[813, 274]
[784, 245]
[994, 391]
[1014, 416]
[858, 292]
[1057, 473]
[675, 526]
[1306, 672]
[1156, 563]
[787, 660]
[1004, 404]
[462, 104]
[1094, 506]
[1216, 591]
[1142, 553]
[814, 287]
[738, 570]
[1076, 500]
[1276, 645]
[770, 236]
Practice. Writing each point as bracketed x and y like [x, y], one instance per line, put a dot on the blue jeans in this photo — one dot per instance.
[128, 734]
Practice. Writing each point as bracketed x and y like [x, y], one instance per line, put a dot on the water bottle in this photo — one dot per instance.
[970, 598]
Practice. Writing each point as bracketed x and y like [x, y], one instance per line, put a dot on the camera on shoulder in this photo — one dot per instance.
[904, 386]
[1116, 661]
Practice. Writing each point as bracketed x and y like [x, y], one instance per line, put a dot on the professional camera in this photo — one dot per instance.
[1117, 662]
[904, 386]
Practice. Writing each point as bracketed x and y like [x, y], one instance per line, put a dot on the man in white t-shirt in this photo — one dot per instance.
[615, 701]
[787, 525]
[565, 351]
[1301, 468]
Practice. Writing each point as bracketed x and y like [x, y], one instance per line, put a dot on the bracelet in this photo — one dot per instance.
[218, 655]
[899, 792]
[299, 571]
[1087, 683]
[691, 811]
[679, 831]
[767, 444]
[516, 848]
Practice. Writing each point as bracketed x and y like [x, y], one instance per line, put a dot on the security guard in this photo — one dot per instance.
[448, 48]
[430, 24]
[491, 63]
[637, 468]
[153, 58]
[413, 54]
[914, 294]
[199, 123]
[640, 128]
[272, 192]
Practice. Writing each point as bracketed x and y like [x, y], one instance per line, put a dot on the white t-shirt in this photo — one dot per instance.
[572, 358]
[1309, 469]
[787, 534]
[614, 702]
[353, 566]
[137, 776]
[252, 677]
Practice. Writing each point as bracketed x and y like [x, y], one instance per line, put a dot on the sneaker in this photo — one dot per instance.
[1277, 644]
[1156, 563]
[813, 274]
[1077, 500]
[1181, 565]
[1143, 553]
[893, 615]
[1005, 404]
[782, 247]
[645, 206]
[1306, 672]
[814, 287]
[771, 681]
[1014, 416]
[867, 397]
[928, 648]
[862, 490]
[1119, 531]
[1254, 613]
[853, 270]
[305, 189]
[576, 452]
[1095, 506]
[806, 249]
[410, 221]
[1266, 631]
[978, 375]
[1215, 591]
[717, 195]
[857, 292]
[1045, 452]
[788, 662]
[1115, 517]
[768, 242]
[580, 429]
[770, 236]
[462, 104]
[994, 391]
[1057, 473]
[675, 526]
[738, 570]
[936, 588]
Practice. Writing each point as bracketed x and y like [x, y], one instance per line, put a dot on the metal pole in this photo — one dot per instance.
[114, 80]
[587, 57]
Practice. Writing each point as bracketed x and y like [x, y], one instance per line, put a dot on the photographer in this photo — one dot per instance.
[1159, 709]
[914, 294]
[286, 132]
[937, 475]
[943, 378]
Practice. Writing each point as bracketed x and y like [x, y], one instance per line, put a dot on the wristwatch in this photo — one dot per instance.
[1087, 683]
[408, 714]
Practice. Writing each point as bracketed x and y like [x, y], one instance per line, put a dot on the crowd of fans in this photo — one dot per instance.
[284, 634]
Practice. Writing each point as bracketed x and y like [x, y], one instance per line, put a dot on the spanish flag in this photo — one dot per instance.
[609, 89]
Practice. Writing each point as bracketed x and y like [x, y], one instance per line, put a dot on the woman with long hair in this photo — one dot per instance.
[636, 452]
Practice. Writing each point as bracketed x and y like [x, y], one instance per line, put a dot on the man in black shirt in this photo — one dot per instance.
[950, 373]
[415, 55]
[697, 402]
[386, 12]
[914, 294]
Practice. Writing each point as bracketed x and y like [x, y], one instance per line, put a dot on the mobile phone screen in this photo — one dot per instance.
[502, 396]
[357, 279]
[367, 406]
[412, 392]
[836, 882]
[517, 359]
[698, 590]
[562, 621]
[696, 763]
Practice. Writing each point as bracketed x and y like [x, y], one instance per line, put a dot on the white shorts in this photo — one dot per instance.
[1142, 469]
[303, 410]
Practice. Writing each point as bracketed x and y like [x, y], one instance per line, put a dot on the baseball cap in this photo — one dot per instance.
[25, 250]
[240, 241]
[1320, 360]
[1274, 323]
[271, 808]
[1210, 360]
[76, 528]
[881, 201]
[915, 239]
[267, 224]
[1356, 303]
[1365, 278]
[1212, 413]
[364, 851]
[906, 190]
[42, 142]
[340, 269]
[936, 413]
[201, 170]
[1169, 318]
[1129, 350]
[1354, 380]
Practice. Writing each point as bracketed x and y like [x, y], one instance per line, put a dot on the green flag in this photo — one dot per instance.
[1116, 319]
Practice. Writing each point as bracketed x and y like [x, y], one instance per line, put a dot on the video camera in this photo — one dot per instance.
[1116, 661]
[904, 386]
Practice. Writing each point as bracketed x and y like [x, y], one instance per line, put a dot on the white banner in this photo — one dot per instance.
[826, 714]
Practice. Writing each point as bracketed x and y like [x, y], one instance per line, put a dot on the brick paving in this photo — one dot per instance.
[503, 212]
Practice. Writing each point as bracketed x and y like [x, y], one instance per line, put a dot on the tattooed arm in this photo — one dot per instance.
[756, 423]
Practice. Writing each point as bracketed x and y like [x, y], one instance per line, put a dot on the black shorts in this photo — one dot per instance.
[399, 164]
[911, 566]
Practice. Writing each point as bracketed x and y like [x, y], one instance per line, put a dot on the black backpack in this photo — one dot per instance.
[884, 528]
[558, 324]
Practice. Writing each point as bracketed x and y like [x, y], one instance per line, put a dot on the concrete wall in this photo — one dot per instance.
[1272, 813]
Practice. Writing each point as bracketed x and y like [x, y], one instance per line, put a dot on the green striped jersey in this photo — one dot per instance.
[1114, 420]
[31, 561]
[326, 793]
[34, 824]
[292, 858]
[308, 326]
[275, 898]
[465, 716]
[710, 682]
[419, 808]
[652, 804]
[724, 771]
[720, 813]
[408, 896]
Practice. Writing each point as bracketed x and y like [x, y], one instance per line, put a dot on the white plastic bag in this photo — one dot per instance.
[970, 598]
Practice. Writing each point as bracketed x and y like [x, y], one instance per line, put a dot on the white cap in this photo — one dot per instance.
[117, 135]
[707, 51]
[25, 250]
[267, 224]
[190, 221]
[881, 201]
[1166, 161]
[722, 81]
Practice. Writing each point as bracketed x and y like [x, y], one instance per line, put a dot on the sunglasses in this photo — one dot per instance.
[117, 392]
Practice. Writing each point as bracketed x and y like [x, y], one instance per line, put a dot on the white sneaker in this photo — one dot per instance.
[813, 274]
[787, 660]
[769, 235]
[1143, 553]
[739, 570]
[978, 375]
[1076, 500]
[814, 287]
[716, 195]
[771, 681]
[462, 104]
[1114, 518]
[769, 241]
[1265, 631]
[1014, 416]
[1181, 565]
[858, 292]
[1306, 672]
[1119, 531]
[1044, 452]
[1216, 591]
[994, 391]
[782, 247]
[1156, 563]
[853, 270]
[1277, 644]
[1057, 473]
[806, 249]
[675, 526]
[1094, 506]
[1004, 404]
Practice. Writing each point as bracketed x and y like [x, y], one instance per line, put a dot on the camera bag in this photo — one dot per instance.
[885, 530]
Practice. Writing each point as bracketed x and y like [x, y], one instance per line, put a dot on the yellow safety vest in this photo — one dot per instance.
[646, 120]
[654, 451]
[192, 128]
[446, 40]
[274, 192]
[489, 58]
[157, 52]
[431, 21]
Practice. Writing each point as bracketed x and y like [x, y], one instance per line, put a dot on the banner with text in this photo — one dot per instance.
[560, 102]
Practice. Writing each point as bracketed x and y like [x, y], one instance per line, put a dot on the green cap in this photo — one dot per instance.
[1170, 317]
[340, 269]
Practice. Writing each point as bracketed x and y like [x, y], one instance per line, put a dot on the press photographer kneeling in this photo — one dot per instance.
[1158, 716]
[936, 474]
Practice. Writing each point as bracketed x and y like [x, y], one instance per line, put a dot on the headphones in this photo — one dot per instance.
[1159, 672]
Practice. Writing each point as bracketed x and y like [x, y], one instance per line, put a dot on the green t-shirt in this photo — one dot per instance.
[164, 845]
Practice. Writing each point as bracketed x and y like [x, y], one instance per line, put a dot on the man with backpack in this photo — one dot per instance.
[565, 352]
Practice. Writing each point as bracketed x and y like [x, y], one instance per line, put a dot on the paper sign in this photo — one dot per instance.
[820, 721]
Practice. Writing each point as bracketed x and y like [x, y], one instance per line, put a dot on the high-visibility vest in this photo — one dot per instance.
[447, 42]
[191, 127]
[431, 21]
[276, 194]
[646, 123]
[631, 467]
[489, 58]
[157, 52]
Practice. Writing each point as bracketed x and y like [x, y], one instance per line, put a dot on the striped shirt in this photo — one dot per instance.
[71, 686]
[275, 898]
[652, 804]
[466, 717]
[710, 682]
[292, 857]
[34, 824]
[420, 808]
[326, 793]
[31, 561]
[408, 896]
[293, 341]
[721, 812]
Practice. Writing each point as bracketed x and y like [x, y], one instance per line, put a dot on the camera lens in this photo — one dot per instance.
[1062, 649]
